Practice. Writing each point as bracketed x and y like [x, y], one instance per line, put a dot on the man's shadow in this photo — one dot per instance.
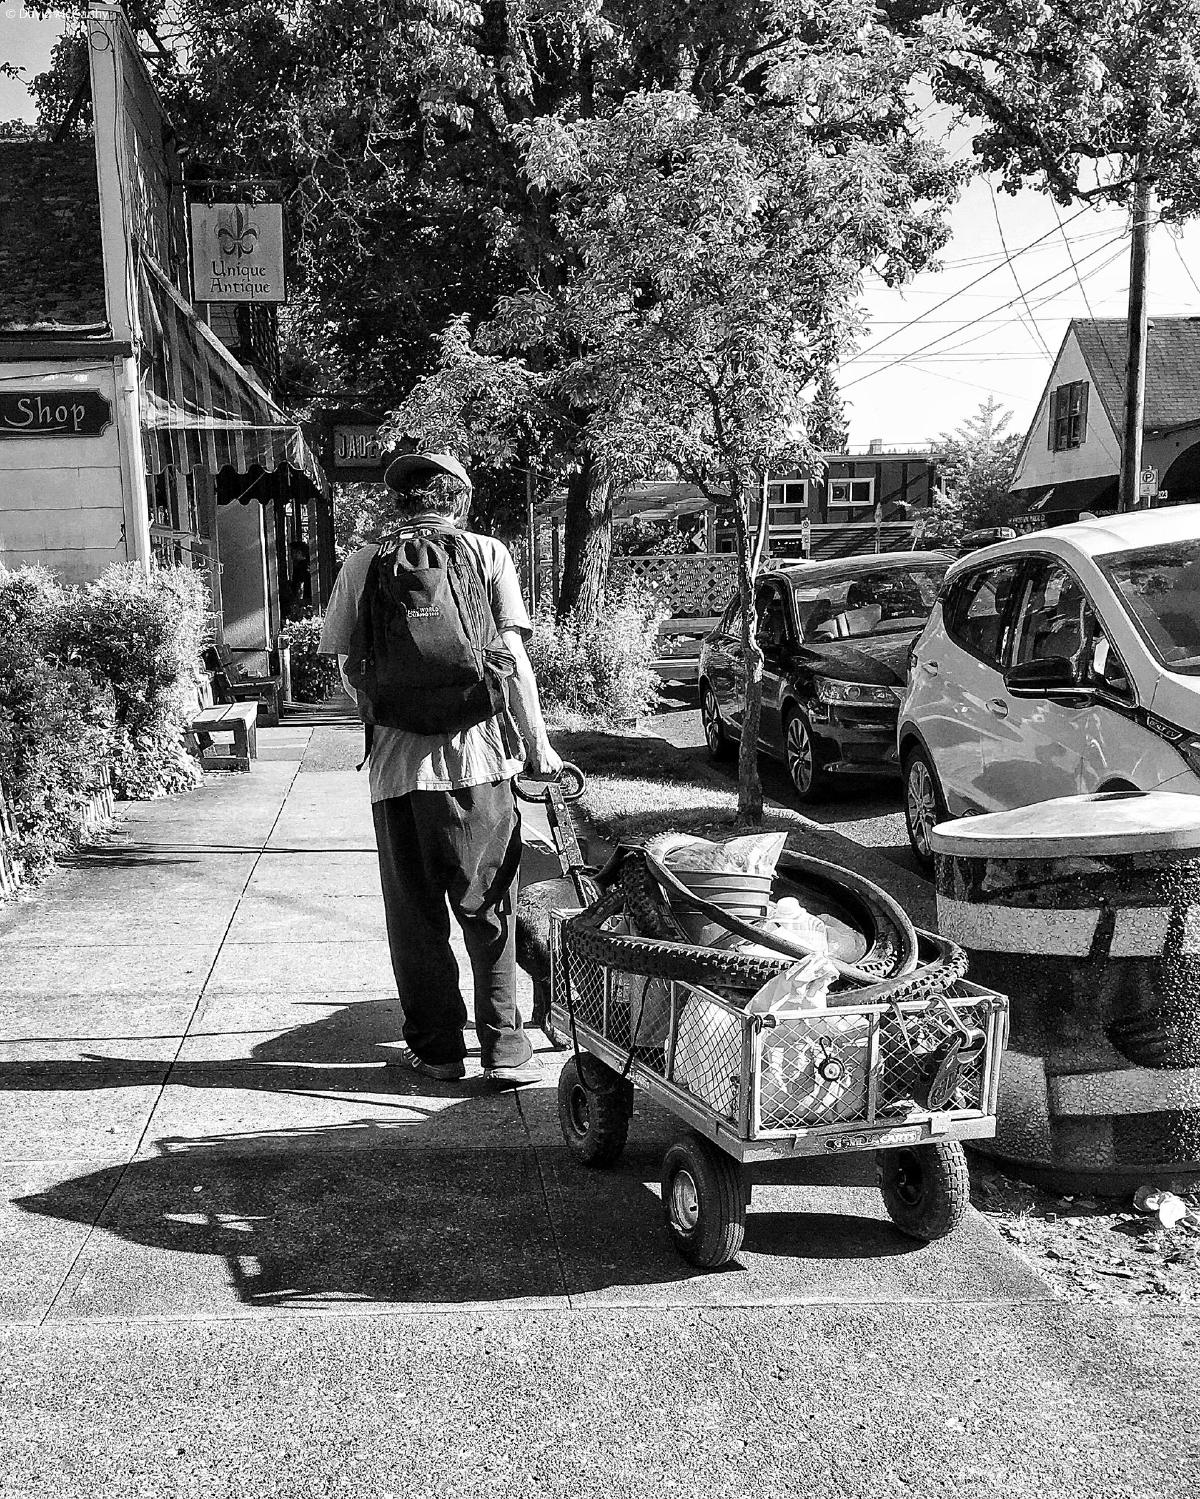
[413, 1209]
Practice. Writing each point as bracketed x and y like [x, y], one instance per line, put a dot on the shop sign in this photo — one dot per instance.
[237, 252]
[53, 413]
[355, 445]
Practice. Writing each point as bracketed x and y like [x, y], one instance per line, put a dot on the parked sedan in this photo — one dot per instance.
[835, 638]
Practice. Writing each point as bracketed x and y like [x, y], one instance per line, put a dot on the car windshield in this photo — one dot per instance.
[1160, 588]
[875, 601]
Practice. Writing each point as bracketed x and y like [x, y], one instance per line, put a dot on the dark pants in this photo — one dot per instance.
[463, 847]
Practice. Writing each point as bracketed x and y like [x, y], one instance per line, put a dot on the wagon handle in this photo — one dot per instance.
[570, 782]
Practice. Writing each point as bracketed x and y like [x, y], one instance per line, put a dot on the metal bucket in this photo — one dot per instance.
[747, 896]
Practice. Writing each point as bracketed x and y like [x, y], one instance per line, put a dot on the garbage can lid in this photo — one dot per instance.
[1103, 822]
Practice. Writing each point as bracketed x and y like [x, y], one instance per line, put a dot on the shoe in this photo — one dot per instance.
[442, 1072]
[523, 1072]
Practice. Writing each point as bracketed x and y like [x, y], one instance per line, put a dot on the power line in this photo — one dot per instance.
[937, 307]
[1095, 271]
[1103, 344]
[1034, 329]
[912, 353]
[994, 390]
[1187, 270]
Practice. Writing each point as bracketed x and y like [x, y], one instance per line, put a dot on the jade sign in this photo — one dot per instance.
[53, 413]
[237, 252]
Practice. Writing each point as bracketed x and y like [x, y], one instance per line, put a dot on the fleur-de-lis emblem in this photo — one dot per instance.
[236, 235]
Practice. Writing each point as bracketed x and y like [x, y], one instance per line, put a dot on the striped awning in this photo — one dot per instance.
[201, 409]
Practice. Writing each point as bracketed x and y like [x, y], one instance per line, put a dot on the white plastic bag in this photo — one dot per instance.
[803, 986]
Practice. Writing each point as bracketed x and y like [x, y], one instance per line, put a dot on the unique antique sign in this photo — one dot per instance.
[355, 445]
[237, 252]
[53, 413]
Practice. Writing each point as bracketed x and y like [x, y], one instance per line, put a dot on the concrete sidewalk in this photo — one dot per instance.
[228, 1223]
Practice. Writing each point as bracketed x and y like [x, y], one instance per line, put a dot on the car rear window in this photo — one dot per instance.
[875, 601]
[1160, 589]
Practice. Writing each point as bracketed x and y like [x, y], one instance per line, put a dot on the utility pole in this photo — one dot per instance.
[1135, 360]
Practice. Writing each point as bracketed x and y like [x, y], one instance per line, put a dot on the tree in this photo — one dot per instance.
[976, 463]
[1094, 103]
[720, 250]
[828, 428]
[399, 130]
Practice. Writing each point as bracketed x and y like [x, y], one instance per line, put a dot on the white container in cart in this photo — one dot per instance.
[880, 1070]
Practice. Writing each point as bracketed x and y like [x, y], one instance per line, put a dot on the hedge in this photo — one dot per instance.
[105, 672]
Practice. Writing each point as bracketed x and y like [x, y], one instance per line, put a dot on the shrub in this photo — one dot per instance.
[314, 677]
[143, 634]
[55, 720]
[600, 673]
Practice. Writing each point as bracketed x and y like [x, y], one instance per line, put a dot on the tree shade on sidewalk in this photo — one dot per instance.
[228, 1223]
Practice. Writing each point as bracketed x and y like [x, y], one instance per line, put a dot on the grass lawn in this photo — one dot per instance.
[638, 785]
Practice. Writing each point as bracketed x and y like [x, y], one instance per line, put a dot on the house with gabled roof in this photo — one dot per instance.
[1071, 457]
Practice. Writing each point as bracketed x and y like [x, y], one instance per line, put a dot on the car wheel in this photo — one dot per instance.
[924, 805]
[716, 735]
[808, 779]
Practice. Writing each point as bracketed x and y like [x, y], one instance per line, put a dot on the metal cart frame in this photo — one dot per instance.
[711, 1065]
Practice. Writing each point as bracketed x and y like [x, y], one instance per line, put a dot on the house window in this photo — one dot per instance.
[787, 510]
[787, 506]
[1068, 416]
[851, 494]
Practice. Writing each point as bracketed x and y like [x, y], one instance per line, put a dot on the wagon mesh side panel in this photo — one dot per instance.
[576, 981]
[708, 1051]
[814, 1072]
[902, 1075]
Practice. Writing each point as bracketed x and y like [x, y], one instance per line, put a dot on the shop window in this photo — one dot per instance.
[1068, 416]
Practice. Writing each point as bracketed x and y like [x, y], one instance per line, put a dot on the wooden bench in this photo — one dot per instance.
[237, 720]
[678, 658]
[230, 684]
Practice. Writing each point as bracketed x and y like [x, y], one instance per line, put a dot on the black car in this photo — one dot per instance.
[835, 638]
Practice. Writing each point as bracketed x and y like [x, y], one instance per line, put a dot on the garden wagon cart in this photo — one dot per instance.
[906, 1067]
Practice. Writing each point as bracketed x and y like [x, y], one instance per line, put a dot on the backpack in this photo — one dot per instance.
[425, 653]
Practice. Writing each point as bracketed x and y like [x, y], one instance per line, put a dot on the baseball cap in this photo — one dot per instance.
[425, 463]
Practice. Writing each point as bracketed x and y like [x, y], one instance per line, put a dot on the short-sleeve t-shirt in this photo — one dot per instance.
[402, 762]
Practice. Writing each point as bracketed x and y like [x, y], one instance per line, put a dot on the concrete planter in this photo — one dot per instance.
[1086, 912]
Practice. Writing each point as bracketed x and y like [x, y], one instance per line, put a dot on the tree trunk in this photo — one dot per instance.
[750, 796]
[587, 541]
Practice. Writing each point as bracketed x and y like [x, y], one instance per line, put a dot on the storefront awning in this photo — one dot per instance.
[202, 409]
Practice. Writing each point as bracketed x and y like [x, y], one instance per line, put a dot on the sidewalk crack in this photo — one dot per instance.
[554, 1239]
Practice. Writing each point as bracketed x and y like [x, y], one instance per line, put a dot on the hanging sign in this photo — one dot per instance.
[237, 252]
[355, 445]
[54, 413]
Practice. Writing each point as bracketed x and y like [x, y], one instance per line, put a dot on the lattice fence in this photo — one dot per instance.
[691, 587]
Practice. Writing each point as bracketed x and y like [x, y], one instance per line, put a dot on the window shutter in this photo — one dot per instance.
[1084, 387]
[1053, 405]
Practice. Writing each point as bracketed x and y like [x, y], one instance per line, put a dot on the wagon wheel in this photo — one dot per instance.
[704, 1199]
[594, 1106]
[926, 1188]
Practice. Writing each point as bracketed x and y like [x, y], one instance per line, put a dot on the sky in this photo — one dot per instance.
[987, 323]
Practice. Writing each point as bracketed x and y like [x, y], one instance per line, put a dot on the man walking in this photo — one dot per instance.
[446, 823]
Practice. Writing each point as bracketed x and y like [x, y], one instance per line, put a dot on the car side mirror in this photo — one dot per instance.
[1053, 677]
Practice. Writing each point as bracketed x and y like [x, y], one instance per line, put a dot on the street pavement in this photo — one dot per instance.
[244, 1254]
